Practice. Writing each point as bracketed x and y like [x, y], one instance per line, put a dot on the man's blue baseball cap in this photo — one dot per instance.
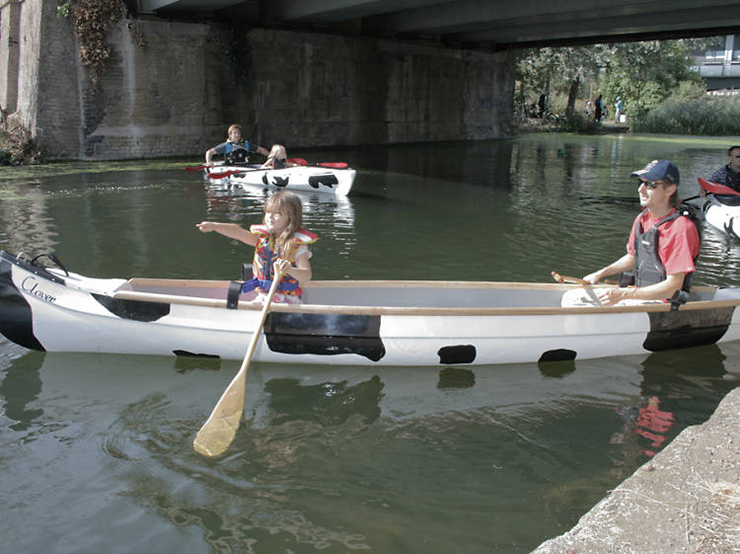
[657, 170]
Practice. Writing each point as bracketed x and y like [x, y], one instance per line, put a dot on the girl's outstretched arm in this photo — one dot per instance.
[231, 230]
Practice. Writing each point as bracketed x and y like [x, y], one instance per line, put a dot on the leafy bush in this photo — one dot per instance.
[17, 146]
[578, 123]
[91, 21]
[705, 115]
[8, 158]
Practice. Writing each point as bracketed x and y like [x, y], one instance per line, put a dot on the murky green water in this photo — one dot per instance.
[95, 450]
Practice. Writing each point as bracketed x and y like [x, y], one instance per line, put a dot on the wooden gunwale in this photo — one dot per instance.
[408, 311]
[195, 283]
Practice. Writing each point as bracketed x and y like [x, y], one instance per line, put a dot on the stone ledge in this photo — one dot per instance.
[685, 500]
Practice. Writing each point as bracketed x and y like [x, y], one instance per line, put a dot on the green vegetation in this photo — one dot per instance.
[705, 115]
[91, 19]
[645, 74]
[656, 81]
[16, 144]
[578, 123]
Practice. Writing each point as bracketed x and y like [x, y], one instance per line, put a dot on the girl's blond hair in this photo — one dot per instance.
[278, 151]
[287, 203]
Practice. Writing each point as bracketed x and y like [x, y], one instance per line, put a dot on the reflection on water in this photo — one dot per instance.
[327, 403]
[20, 386]
[96, 450]
[332, 458]
[25, 225]
[248, 202]
[498, 210]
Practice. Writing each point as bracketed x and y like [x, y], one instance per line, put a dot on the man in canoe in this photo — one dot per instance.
[662, 246]
[729, 174]
[235, 150]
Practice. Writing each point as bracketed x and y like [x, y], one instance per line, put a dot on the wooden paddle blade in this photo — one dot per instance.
[216, 439]
[716, 188]
[219, 430]
[298, 161]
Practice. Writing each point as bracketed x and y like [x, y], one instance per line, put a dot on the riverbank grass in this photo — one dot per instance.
[707, 116]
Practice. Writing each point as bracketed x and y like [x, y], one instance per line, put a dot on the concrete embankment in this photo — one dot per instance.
[685, 500]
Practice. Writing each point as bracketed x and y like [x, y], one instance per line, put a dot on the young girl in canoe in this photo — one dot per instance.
[280, 242]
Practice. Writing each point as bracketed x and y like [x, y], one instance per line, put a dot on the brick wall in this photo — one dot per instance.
[169, 90]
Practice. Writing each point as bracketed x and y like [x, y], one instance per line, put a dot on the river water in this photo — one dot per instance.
[95, 450]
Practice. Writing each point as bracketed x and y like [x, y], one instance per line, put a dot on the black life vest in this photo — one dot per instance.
[648, 267]
[239, 155]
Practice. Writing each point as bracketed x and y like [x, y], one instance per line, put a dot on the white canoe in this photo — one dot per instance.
[302, 178]
[721, 214]
[393, 323]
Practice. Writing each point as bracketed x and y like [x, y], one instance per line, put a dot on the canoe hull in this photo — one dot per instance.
[323, 180]
[48, 310]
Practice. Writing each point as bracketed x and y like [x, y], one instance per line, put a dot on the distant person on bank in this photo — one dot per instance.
[598, 108]
[618, 105]
[661, 249]
[542, 103]
[235, 150]
[729, 174]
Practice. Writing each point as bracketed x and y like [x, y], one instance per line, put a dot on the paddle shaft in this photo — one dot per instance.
[585, 284]
[566, 279]
[225, 174]
[335, 165]
[219, 430]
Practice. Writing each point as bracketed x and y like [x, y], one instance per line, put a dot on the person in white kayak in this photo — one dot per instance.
[729, 174]
[278, 158]
[235, 150]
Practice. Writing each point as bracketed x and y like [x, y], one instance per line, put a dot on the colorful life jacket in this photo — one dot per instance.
[648, 267]
[238, 154]
[265, 255]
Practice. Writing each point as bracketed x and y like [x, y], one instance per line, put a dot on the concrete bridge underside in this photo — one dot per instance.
[489, 24]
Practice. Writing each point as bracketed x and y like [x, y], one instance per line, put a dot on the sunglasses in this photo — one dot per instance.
[652, 185]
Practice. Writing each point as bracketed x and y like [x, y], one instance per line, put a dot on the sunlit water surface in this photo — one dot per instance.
[95, 450]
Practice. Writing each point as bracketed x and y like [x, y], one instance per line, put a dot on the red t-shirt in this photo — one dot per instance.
[678, 242]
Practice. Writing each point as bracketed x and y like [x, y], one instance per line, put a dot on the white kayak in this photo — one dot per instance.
[721, 208]
[722, 216]
[326, 179]
[391, 323]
